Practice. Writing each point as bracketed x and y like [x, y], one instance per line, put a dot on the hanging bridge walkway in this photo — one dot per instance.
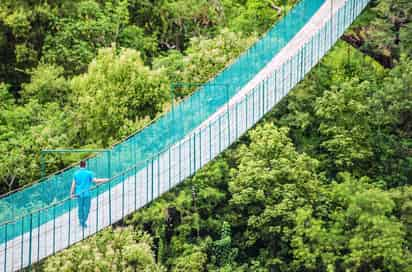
[40, 220]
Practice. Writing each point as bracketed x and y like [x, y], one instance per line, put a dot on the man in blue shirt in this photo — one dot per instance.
[83, 180]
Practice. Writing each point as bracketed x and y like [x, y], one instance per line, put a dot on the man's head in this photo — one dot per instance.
[83, 164]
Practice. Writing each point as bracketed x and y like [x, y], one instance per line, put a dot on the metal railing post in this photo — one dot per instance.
[5, 246]
[30, 237]
[123, 182]
[42, 165]
[228, 115]
[109, 163]
[97, 208]
[22, 243]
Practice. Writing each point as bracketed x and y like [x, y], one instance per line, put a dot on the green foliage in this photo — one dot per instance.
[357, 130]
[115, 95]
[134, 37]
[22, 29]
[257, 15]
[351, 119]
[271, 182]
[345, 138]
[225, 254]
[75, 39]
[47, 85]
[402, 197]
[118, 95]
[314, 203]
[21, 147]
[6, 99]
[384, 32]
[192, 259]
[179, 219]
[210, 54]
[358, 233]
[405, 35]
[323, 184]
[175, 22]
[111, 250]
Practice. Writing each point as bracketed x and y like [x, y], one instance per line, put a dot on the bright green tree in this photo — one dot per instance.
[75, 39]
[111, 250]
[115, 96]
[358, 233]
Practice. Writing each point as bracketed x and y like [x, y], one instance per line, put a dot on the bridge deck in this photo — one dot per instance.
[279, 76]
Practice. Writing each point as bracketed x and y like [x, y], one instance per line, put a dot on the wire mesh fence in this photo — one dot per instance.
[173, 126]
[170, 150]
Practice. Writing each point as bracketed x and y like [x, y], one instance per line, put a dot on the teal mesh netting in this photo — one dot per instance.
[167, 130]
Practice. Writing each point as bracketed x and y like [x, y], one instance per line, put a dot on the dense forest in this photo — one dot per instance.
[72, 73]
[323, 183]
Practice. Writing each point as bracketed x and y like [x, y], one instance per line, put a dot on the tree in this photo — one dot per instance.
[6, 99]
[402, 197]
[359, 233]
[270, 183]
[24, 132]
[345, 126]
[225, 254]
[210, 54]
[111, 250]
[257, 16]
[115, 96]
[192, 259]
[47, 85]
[383, 31]
[134, 37]
[75, 39]
[175, 22]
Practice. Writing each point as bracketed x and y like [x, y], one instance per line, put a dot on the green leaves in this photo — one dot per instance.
[323, 210]
[257, 16]
[76, 39]
[117, 88]
[47, 85]
[358, 232]
[6, 99]
[210, 54]
[110, 250]
[271, 182]
[303, 193]
[383, 32]
[175, 22]
[118, 94]
[344, 124]
[223, 251]
[192, 259]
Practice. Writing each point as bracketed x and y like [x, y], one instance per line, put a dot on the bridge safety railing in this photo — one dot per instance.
[171, 127]
[45, 231]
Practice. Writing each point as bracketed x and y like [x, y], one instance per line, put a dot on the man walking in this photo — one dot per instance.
[83, 180]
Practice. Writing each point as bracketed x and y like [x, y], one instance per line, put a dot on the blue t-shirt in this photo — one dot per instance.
[84, 181]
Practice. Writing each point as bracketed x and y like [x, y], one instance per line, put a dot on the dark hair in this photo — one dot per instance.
[83, 164]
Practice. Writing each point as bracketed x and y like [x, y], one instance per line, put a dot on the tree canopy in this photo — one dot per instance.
[322, 183]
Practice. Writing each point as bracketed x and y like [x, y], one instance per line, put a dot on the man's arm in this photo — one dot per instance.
[73, 188]
[100, 180]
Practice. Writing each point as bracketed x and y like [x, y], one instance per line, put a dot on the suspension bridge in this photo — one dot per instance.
[40, 220]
